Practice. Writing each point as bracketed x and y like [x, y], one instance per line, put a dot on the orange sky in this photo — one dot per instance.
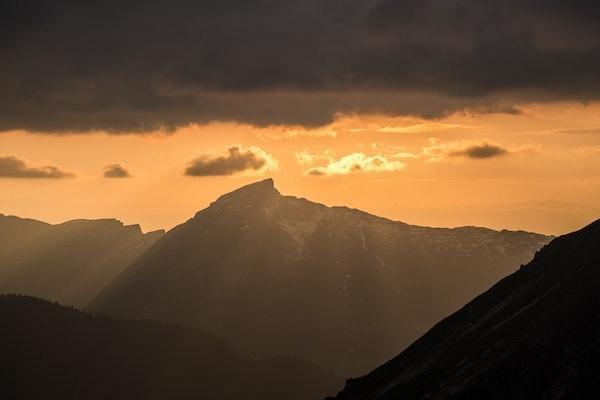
[416, 171]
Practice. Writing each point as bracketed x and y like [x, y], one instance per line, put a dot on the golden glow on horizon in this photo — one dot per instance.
[536, 171]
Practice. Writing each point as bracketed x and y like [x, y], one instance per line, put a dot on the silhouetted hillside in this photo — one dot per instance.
[70, 262]
[534, 335]
[52, 352]
[277, 274]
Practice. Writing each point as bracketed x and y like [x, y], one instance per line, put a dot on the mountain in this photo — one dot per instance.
[70, 262]
[534, 335]
[53, 352]
[275, 274]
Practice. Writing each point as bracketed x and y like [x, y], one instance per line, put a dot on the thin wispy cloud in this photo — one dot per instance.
[305, 157]
[285, 133]
[590, 130]
[426, 127]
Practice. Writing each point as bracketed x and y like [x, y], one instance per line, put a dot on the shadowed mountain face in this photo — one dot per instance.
[534, 335]
[52, 352]
[70, 262]
[277, 274]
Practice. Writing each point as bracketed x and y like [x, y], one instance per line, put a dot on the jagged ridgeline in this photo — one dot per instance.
[276, 274]
[70, 262]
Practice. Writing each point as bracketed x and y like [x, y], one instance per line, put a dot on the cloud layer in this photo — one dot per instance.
[237, 160]
[143, 65]
[356, 163]
[12, 167]
[116, 171]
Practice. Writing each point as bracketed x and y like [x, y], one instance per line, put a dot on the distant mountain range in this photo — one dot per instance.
[53, 352]
[280, 275]
[70, 262]
[534, 335]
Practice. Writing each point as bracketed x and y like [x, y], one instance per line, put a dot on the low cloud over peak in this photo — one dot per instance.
[12, 167]
[116, 171]
[237, 160]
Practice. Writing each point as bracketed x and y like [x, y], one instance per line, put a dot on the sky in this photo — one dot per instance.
[438, 113]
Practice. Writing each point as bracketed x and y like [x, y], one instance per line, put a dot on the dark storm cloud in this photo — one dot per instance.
[12, 167]
[480, 151]
[143, 65]
[236, 160]
[115, 171]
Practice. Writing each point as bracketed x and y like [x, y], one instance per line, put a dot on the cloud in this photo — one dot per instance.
[480, 151]
[294, 133]
[116, 171]
[357, 163]
[305, 157]
[138, 66]
[436, 151]
[588, 130]
[427, 127]
[237, 160]
[12, 167]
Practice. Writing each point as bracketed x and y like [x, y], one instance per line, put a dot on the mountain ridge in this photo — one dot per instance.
[51, 351]
[70, 262]
[276, 274]
[532, 335]
[267, 186]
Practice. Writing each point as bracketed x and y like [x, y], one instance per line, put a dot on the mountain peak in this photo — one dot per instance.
[255, 191]
[264, 184]
[259, 194]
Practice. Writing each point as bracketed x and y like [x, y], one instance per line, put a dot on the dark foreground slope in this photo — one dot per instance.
[69, 262]
[534, 335]
[52, 352]
[277, 274]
